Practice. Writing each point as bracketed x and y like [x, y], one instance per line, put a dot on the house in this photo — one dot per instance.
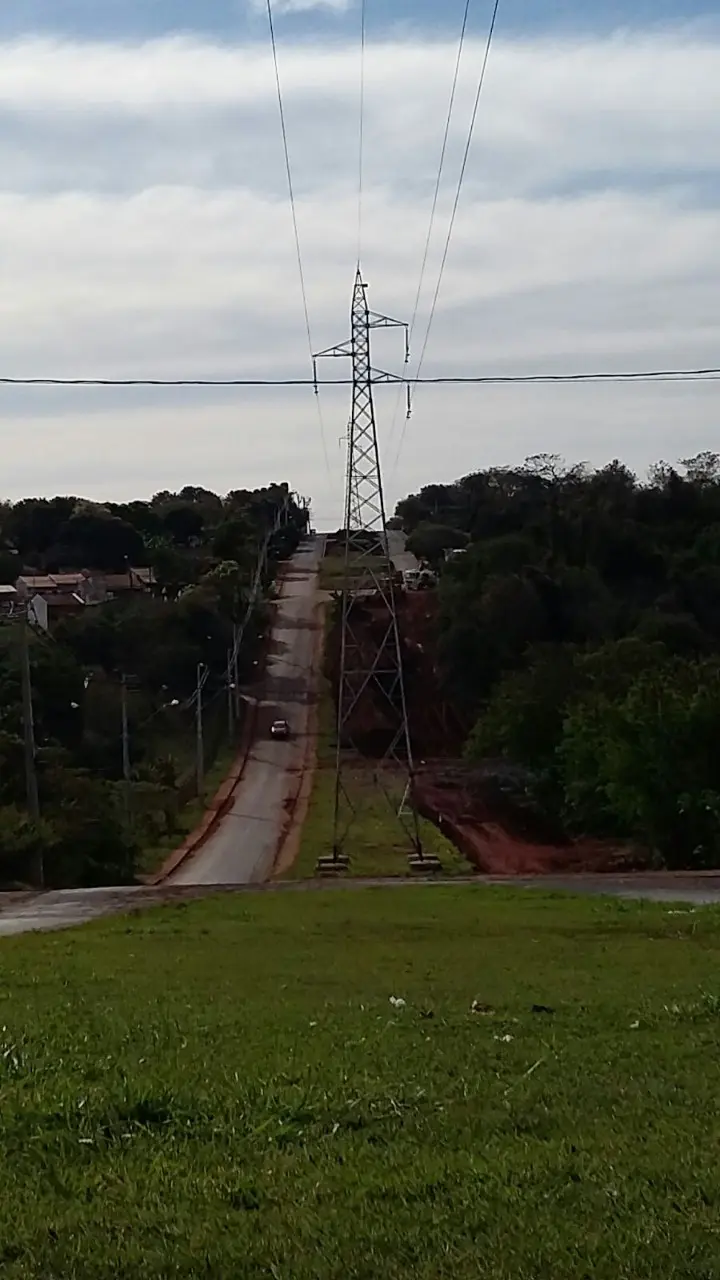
[132, 580]
[8, 598]
[28, 585]
[91, 585]
[45, 612]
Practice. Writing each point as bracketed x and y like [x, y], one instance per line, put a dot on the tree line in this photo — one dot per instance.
[144, 649]
[578, 634]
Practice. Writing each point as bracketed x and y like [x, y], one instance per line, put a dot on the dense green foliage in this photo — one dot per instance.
[204, 551]
[579, 633]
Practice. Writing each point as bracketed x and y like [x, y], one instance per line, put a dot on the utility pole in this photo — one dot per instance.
[31, 781]
[200, 747]
[230, 696]
[237, 638]
[371, 660]
[126, 753]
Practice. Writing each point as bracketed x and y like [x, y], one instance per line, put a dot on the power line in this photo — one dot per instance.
[361, 143]
[293, 209]
[461, 180]
[643, 375]
[456, 204]
[441, 167]
[436, 196]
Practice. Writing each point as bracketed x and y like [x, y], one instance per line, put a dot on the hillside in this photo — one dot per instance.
[125, 618]
[577, 639]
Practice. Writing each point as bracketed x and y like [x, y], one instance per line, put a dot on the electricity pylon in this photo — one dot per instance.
[371, 674]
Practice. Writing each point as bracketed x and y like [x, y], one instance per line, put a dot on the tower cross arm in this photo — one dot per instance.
[342, 349]
[376, 321]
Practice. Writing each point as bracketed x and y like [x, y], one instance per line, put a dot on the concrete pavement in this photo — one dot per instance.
[403, 560]
[66, 908]
[244, 847]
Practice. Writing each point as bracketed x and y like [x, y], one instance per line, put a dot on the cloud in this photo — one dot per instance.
[146, 231]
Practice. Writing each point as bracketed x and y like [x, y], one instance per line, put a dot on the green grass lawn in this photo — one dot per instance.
[376, 843]
[332, 570]
[226, 1090]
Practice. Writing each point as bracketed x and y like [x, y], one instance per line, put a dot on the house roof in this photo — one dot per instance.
[131, 580]
[36, 582]
[70, 603]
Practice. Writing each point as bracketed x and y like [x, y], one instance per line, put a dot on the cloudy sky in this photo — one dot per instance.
[145, 231]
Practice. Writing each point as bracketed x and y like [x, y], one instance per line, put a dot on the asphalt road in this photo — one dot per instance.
[244, 847]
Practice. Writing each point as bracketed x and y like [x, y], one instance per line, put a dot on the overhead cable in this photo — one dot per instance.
[456, 204]
[361, 140]
[293, 209]
[436, 196]
[639, 375]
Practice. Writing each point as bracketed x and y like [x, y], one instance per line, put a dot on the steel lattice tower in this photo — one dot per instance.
[371, 660]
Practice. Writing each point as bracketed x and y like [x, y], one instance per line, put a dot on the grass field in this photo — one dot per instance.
[226, 1090]
[332, 570]
[377, 844]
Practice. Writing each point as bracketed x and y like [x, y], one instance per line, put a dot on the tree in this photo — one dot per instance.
[646, 765]
[183, 523]
[34, 525]
[522, 719]
[234, 539]
[431, 541]
[703, 469]
[231, 585]
[156, 641]
[480, 639]
[95, 539]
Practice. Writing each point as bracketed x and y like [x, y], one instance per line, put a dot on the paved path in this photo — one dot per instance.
[62, 909]
[244, 847]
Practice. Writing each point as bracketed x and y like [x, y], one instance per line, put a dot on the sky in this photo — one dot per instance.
[145, 231]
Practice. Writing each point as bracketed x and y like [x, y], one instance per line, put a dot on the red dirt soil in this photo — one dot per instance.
[435, 729]
[489, 823]
[502, 838]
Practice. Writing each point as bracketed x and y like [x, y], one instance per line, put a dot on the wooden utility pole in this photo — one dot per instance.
[236, 670]
[31, 781]
[126, 752]
[230, 696]
[200, 745]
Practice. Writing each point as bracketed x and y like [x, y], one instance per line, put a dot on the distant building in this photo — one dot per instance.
[52, 596]
[46, 611]
[135, 580]
[92, 586]
[8, 598]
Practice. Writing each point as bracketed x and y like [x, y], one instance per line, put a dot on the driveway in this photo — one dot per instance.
[244, 847]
